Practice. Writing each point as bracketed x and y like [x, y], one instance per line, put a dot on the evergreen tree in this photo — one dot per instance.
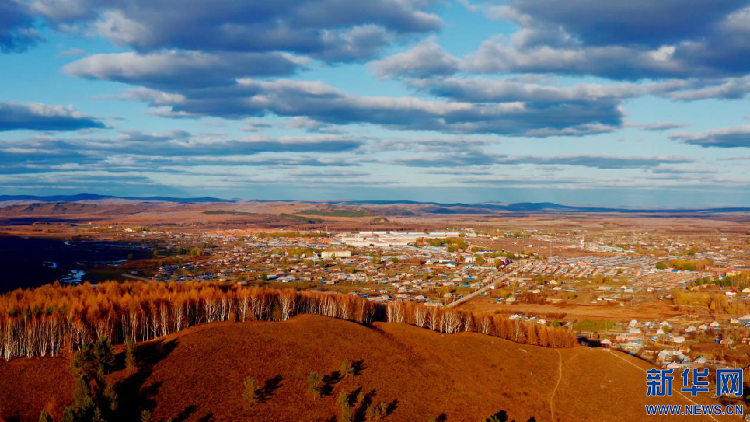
[110, 395]
[45, 416]
[346, 370]
[130, 354]
[83, 402]
[105, 356]
[145, 416]
[315, 384]
[69, 415]
[250, 393]
[346, 409]
[377, 412]
[94, 399]
[97, 416]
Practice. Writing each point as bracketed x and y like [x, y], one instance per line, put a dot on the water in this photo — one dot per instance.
[74, 277]
[33, 261]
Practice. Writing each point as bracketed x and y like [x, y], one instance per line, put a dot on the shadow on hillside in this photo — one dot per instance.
[364, 408]
[501, 416]
[391, 407]
[359, 366]
[134, 395]
[207, 418]
[585, 341]
[185, 414]
[271, 385]
[361, 410]
[330, 381]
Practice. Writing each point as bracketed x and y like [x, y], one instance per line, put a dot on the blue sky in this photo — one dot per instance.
[635, 103]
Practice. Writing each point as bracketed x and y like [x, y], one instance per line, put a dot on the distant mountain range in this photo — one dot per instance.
[427, 207]
[95, 197]
[542, 207]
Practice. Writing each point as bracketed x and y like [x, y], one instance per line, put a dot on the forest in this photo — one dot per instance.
[55, 318]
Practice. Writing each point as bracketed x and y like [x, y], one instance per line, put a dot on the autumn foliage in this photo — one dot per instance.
[451, 321]
[56, 319]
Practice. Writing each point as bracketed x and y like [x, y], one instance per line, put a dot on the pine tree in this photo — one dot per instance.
[97, 416]
[82, 398]
[69, 415]
[346, 409]
[250, 393]
[92, 391]
[130, 354]
[346, 370]
[111, 396]
[377, 412]
[105, 355]
[45, 416]
[315, 384]
[145, 416]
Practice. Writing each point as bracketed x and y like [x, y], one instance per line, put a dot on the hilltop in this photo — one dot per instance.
[197, 374]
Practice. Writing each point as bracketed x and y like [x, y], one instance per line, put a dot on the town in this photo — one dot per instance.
[676, 301]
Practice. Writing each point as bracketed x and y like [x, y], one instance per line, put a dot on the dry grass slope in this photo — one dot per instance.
[197, 375]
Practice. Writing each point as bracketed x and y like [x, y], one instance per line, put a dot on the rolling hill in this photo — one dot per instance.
[359, 206]
[197, 374]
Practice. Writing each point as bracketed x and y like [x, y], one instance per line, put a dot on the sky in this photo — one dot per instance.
[636, 103]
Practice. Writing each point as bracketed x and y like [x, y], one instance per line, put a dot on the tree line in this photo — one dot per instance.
[717, 303]
[55, 318]
[451, 321]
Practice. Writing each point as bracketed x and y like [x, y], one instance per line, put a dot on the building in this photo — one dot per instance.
[336, 254]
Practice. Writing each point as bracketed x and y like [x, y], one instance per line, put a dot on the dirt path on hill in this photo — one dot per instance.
[557, 384]
[678, 392]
